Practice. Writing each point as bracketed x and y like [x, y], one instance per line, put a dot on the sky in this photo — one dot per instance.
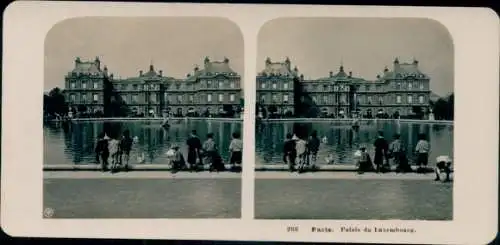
[129, 44]
[364, 46]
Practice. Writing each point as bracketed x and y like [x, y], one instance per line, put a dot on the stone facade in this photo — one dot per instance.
[206, 91]
[394, 92]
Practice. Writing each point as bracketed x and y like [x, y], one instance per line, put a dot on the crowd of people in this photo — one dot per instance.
[300, 153]
[113, 153]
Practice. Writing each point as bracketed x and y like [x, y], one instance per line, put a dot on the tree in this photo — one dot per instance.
[228, 109]
[418, 111]
[55, 103]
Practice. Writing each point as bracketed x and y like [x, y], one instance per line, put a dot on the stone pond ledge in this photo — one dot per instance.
[165, 167]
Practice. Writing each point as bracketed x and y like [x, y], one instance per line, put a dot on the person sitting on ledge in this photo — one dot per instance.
[364, 161]
[289, 152]
[443, 164]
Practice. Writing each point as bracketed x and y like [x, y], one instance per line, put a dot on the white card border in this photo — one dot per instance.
[475, 35]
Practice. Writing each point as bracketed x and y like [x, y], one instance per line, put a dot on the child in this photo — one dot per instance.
[364, 161]
[114, 146]
[235, 148]
[443, 163]
[301, 147]
[422, 151]
[330, 159]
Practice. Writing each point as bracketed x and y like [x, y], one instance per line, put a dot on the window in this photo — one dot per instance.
[398, 99]
[421, 99]
[145, 87]
[285, 98]
[410, 99]
[179, 98]
[262, 99]
[421, 85]
[410, 86]
[335, 88]
[275, 98]
[153, 98]
[343, 99]
[165, 97]
[221, 97]
[135, 99]
[314, 99]
[84, 85]
[95, 97]
[369, 98]
[135, 86]
[73, 85]
[84, 98]
[191, 98]
[398, 85]
[153, 87]
[232, 84]
[315, 87]
[381, 100]
[231, 97]
[96, 85]
[178, 86]
[263, 85]
[209, 98]
[325, 99]
[285, 85]
[325, 88]
[367, 87]
[209, 83]
[275, 85]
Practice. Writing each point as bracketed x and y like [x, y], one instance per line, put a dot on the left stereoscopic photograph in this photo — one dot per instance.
[142, 118]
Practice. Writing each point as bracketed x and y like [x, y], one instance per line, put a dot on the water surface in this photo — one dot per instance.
[342, 141]
[74, 143]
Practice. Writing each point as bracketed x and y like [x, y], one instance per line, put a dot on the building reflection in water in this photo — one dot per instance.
[74, 143]
[342, 141]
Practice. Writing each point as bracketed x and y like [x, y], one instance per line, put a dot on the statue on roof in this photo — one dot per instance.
[287, 60]
[386, 69]
[207, 60]
[97, 58]
[295, 69]
[396, 61]
[268, 60]
[226, 60]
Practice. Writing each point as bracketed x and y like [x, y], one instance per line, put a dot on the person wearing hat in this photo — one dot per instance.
[381, 149]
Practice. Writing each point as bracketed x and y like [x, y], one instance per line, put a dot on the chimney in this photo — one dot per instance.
[302, 77]
[140, 73]
[161, 73]
[226, 60]
[350, 74]
[196, 68]
[378, 76]
[415, 62]
[386, 69]
[268, 61]
[331, 73]
[188, 75]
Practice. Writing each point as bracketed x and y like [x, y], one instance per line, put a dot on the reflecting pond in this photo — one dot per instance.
[342, 141]
[74, 143]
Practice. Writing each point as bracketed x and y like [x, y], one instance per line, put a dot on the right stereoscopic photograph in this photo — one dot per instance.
[354, 119]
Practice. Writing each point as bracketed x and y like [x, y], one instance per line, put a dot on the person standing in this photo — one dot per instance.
[125, 148]
[235, 149]
[422, 151]
[114, 145]
[194, 154]
[210, 149]
[313, 147]
[397, 151]
[102, 151]
[289, 152]
[301, 148]
[381, 148]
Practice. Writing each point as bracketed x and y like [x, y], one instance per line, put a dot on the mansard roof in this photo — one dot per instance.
[279, 68]
[212, 69]
[87, 67]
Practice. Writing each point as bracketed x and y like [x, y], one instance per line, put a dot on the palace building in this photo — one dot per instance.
[394, 92]
[206, 91]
